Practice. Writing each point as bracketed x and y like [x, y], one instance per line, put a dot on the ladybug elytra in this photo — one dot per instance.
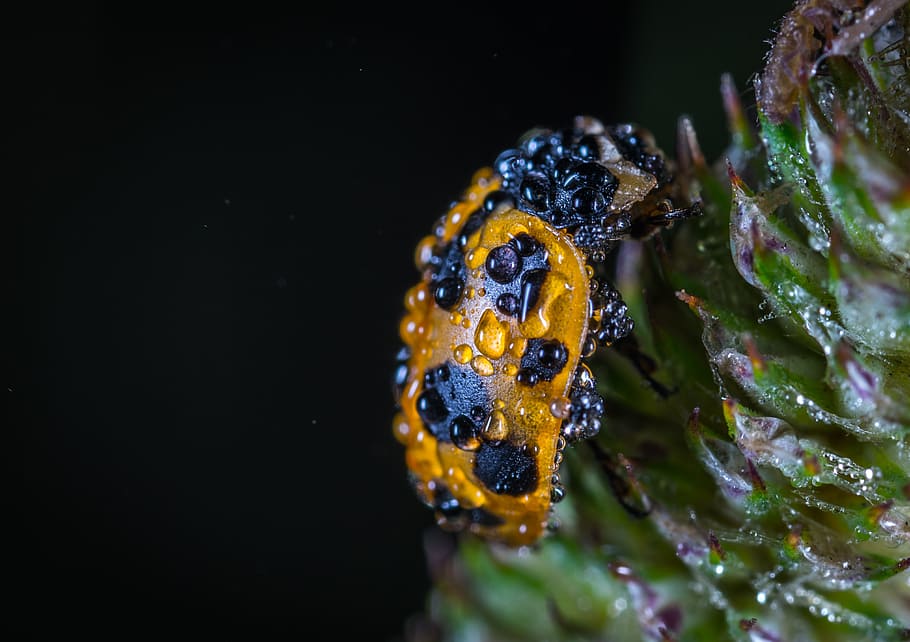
[491, 384]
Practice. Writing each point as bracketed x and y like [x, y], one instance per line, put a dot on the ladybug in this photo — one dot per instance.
[491, 384]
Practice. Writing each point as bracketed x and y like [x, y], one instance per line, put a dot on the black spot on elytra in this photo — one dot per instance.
[506, 469]
[445, 502]
[544, 358]
[434, 376]
[474, 223]
[431, 407]
[448, 272]
[525, 244]
[484, 517]
[450, 508]
[453, 393]
[515, 273]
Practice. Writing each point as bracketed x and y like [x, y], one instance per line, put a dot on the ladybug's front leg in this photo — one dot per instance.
[623, 482]
[613, 327]
[665, 215]
[678, 199]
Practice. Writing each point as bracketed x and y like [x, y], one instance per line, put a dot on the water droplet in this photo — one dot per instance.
[495, 429]
[463, 353]
[482, 366]
[508, 304]
[557, 493]
[402, 429]
[417, 297]
[518, 346]
[559, 408]
[503, 264]
[465, 433]
[584, 377]
[448, 292]
[431, 406]
[491, 336]
[589, 347]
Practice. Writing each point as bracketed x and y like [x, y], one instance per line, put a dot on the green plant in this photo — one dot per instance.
[776, 475]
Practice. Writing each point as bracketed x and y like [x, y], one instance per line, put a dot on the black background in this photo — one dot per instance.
[204, 278]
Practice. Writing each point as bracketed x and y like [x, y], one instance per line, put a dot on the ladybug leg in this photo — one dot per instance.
[621, 475]
[611, 326]
[664, 214]
[689, 161]
[645, 365]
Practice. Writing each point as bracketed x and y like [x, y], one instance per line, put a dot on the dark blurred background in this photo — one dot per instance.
[212, 228]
